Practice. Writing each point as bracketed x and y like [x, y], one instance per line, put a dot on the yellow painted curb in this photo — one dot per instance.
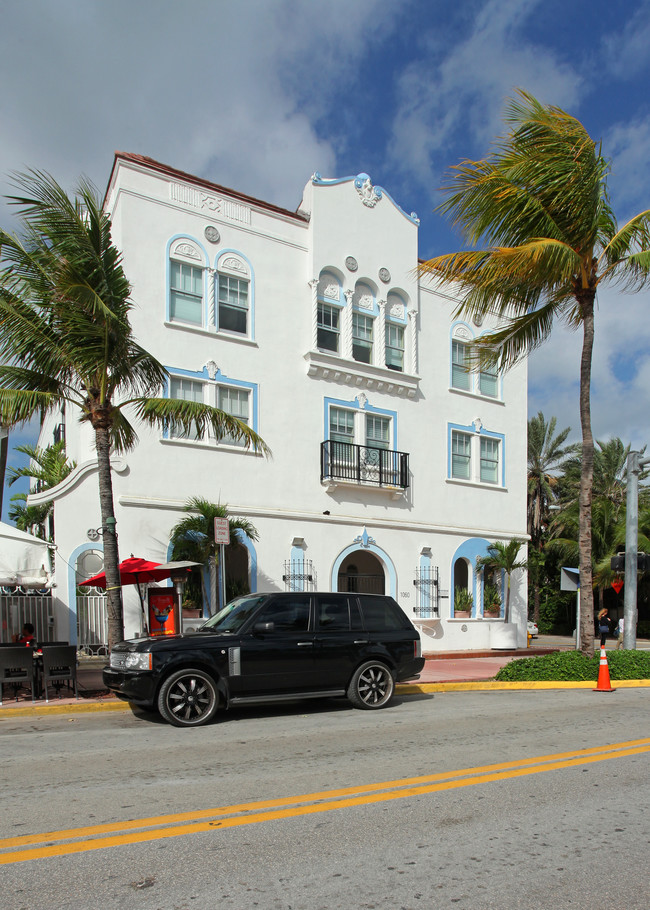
[45, 710]
[491, 685]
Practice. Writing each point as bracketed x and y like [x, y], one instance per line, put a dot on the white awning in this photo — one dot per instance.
[24, 559]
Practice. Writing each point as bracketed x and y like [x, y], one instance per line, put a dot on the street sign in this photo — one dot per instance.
[221, 531]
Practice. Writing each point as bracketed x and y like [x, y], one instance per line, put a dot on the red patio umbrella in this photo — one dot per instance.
[138, 571]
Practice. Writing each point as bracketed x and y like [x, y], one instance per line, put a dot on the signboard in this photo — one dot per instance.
[221, 531]
[162, 611]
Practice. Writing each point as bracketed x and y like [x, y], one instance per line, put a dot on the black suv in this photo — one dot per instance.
[272, 647]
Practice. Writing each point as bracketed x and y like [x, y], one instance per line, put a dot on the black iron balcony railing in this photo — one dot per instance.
[363, 464]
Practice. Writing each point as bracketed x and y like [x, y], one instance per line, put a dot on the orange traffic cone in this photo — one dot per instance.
[604, 685]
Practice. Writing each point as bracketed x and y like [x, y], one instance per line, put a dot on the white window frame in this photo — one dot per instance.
[333, 310]
[471, 379]
[358, 340]
[400, 347]
[189, 384]
[484, 452]
[211, 389]
[233, 305]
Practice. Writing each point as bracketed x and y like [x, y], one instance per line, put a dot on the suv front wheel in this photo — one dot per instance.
[188, 698]
[372, 685]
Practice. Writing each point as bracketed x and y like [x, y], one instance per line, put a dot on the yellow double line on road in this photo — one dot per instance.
[136, 831]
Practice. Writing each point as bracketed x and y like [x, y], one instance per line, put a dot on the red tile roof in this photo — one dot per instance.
[151, 164]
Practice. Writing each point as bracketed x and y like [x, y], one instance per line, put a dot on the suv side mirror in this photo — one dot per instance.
[264, 627]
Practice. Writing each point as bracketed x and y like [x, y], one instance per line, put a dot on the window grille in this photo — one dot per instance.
[299, 575]
[427, 585]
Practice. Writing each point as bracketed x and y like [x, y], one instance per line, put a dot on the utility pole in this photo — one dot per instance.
[634, 465]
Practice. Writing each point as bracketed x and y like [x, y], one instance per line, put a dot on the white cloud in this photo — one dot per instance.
[620, 390]
[627, 51]
[224, 90]
[460, 89]
[627, 145]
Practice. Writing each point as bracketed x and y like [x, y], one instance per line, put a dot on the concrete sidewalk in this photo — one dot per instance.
[448, 667]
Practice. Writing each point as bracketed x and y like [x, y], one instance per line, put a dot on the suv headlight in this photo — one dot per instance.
[138, 661]
[134, 660]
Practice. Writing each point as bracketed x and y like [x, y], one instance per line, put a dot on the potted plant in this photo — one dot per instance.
[463, 603]
[190, 609]
[491, 600]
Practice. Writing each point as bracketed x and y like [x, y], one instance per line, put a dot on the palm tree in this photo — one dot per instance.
[47, 468]
[502, 557]
[540, 202]
[546, 452]
[193, 538]
[65, 338]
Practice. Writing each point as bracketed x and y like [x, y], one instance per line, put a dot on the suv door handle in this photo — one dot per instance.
[305, 644]
[363, 641]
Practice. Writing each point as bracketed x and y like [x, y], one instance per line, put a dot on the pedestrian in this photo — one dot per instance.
[603, 625]
[26, 637]
[621, 626]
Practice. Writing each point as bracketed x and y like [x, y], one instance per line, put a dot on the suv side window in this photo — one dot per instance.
[288, 612]
[382, 614]
[333, 613]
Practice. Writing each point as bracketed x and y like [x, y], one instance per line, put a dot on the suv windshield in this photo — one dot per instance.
[234, 615]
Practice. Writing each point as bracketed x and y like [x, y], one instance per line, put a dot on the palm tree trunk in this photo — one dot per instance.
[586, 301]
[111, 555]
[4, 449]
[506, 612]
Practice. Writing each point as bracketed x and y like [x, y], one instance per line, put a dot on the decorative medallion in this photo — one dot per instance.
[186, 249]
[364, 540]
[234, 265]
[397, 310]
[92, 534]
[384, 275]
[478, 319]
[362, 398]
[212, 234]
[462, 331]
[332, 291]
[369, 194]
[351, 264]
[212, 369]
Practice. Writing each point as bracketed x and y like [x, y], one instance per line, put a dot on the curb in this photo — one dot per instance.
[407, 689]
[493, 685]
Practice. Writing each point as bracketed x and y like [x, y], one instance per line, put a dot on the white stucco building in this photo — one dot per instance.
[393, 466]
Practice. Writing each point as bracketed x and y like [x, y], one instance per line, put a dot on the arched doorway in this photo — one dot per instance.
[361, 572]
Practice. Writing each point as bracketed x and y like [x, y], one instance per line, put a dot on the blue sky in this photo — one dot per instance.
[259, 94]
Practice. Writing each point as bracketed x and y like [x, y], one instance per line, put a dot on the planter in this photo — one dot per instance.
[461, 614]
[492, 614]
[191, 614]
[504, 636]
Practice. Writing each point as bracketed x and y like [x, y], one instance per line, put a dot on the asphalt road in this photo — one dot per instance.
[319, 806]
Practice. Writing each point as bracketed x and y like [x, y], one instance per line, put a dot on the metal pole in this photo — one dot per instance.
[634, 465]
[222, 586]
[578, 639]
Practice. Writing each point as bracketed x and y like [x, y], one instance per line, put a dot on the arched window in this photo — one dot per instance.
[329, 306]
[233, 295]
[186, 282]
[363, 323]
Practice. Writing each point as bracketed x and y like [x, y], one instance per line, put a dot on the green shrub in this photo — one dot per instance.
[573, 666]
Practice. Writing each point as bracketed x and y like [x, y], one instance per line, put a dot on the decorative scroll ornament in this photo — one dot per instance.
[477, 423]
[362, 398]
[364, 540]
[351, 264]
[462, 331]
[212, 234]
[212, 369]
[397, 310]
[369, 194]
[331, 291]
[186, 249]
[384, 275]
[234, 264]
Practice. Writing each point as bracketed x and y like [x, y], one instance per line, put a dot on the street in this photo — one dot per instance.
[319, 806]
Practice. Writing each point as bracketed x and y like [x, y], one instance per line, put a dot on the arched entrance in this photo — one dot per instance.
[361, 572]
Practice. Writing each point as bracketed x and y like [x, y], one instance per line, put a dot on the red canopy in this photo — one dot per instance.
[137, 571]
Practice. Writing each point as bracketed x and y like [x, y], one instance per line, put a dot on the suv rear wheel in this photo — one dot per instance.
[188, 698]
[372, 685]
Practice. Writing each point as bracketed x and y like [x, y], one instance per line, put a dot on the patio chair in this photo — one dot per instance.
[59, 667]
[16, 669]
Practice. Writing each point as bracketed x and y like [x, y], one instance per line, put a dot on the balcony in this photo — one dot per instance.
[345, 462]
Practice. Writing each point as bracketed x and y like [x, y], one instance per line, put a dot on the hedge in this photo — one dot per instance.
[573, 666]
